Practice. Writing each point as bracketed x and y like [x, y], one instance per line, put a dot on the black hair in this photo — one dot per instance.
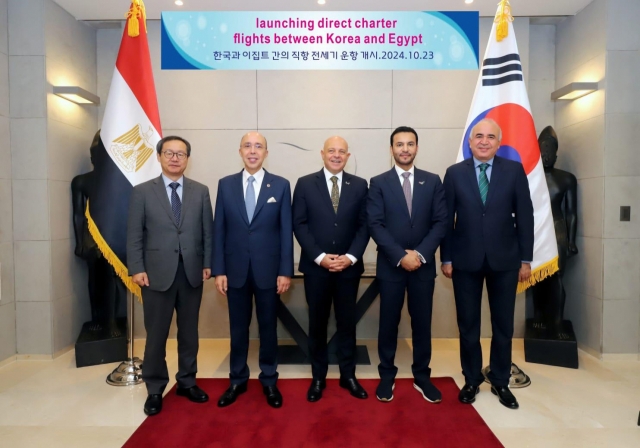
[170, 138]
[403, 129]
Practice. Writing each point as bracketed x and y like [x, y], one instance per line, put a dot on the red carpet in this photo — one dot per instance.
[338, 420]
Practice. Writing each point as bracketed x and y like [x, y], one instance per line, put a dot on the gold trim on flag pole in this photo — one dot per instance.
[111, 257]
[539, 274]
[503, 18]
[136, 13]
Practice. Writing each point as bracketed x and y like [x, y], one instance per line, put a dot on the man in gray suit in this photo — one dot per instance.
[169, 245]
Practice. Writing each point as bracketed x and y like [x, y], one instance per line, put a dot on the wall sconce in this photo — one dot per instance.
[76, 95]
[574, 91]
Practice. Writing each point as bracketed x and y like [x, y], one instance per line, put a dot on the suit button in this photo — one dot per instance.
[176, 251]
[179, 232]
[336, 224]
[334, 242]
[250, 232]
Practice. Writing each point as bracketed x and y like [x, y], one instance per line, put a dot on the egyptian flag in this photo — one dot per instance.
[502, 96]
[125, 156]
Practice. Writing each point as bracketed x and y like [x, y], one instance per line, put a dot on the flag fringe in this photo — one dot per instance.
[111, 257]
[539, 274]
[503, 18]
[137, 12]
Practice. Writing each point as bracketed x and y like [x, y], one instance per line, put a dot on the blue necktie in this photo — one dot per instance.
[250, 199]
[176, 205]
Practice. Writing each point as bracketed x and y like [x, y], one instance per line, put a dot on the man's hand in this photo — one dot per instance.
[525, 272]
[206, 274]
[221, 284]
[327, 260]
[447, 270]
[340, 263]
[283, 284]
[141, 279]
[411, 261]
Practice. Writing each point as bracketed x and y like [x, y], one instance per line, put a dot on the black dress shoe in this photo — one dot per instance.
[315, 390]
[153, 405]
[193, 393]
[505, 396]
[274, 397]
[354, 388]
[229, 396]
[468, 393]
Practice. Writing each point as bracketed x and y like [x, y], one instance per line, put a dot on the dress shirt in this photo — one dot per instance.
[257, 183]
[328, 175]
[168, 181]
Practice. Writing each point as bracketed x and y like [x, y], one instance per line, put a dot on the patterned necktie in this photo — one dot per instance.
[250, 199]
[335, 194]
[406, 188]
[176, 205]
[483, 182]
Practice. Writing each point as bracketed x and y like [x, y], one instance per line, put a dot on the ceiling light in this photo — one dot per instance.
[179, 2]
[574, 91]
[321, 2]
[468, 2]
[76, 95]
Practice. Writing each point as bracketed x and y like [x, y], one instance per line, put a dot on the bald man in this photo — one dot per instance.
[329, 221]
[253, 258]
[489, 239]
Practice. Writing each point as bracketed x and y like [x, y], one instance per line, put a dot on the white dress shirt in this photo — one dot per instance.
[257, 183]
[168, 181]
[328, 175]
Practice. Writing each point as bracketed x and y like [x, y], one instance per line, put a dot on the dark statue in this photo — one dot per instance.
[549, 295]
[106, 290]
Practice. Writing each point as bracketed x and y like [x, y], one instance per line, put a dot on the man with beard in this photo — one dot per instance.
[407, 217]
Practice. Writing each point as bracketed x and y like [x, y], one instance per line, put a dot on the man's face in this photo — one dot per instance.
[173, 158]
[335, 154]
[404, 149]
[253, 150]
[484, 141]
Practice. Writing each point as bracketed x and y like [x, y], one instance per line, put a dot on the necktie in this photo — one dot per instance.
[483, 182]
[176, 205]
[406, 188]
[250, 199]
[335, 193]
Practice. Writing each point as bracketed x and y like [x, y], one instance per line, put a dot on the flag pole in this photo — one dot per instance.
[129, 372]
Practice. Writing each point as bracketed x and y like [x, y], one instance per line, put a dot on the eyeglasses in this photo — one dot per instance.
[169, 155]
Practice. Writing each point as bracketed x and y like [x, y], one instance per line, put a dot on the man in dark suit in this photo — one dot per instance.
[169, 243]
[489, 238]
[253, 257]
[407, 216]
[329, 221]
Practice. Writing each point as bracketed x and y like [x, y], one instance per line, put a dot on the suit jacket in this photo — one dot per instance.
[154, 239]
[394, 230]
[319, 229]
[266, 244]
[502, 229]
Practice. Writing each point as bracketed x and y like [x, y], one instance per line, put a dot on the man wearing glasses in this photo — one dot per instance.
[169, 245]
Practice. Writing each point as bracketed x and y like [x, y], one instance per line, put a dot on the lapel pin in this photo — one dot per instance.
[421, 183]
[347, 182]
[268, 185]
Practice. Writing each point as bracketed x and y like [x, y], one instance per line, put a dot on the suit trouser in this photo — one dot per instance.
[420, 303]
[501, 288]
[320, 292]
[158, 311]
[240, 310]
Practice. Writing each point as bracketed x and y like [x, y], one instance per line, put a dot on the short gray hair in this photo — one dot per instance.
[487, 120]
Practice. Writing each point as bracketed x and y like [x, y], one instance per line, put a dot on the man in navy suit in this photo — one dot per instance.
[329, 221]
[253, 257]
[407, 217]
[489, 238]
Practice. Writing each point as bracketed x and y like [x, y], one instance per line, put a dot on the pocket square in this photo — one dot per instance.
[271, 199]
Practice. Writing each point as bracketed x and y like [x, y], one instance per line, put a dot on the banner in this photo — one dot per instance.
[125, 156]
[302, 40]
[502, 96]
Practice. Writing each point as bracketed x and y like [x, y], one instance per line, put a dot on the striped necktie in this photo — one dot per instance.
[483, 182]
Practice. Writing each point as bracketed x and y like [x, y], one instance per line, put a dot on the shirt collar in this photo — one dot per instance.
[258, 176]
[400, 170]
[328, 175]
[168, 181]
[477, 163]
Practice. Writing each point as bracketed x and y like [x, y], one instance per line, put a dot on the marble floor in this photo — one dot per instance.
[54, 404]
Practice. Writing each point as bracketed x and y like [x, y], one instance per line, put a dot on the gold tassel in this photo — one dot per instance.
[503, 18]
[137, 13]
[111, 257]
[541, 272]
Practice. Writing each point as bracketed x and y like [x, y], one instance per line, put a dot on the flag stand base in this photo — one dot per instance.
[517, 380]
[128, 373]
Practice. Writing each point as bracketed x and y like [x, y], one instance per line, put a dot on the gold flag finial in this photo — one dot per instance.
[503, 17]
[136, 14]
